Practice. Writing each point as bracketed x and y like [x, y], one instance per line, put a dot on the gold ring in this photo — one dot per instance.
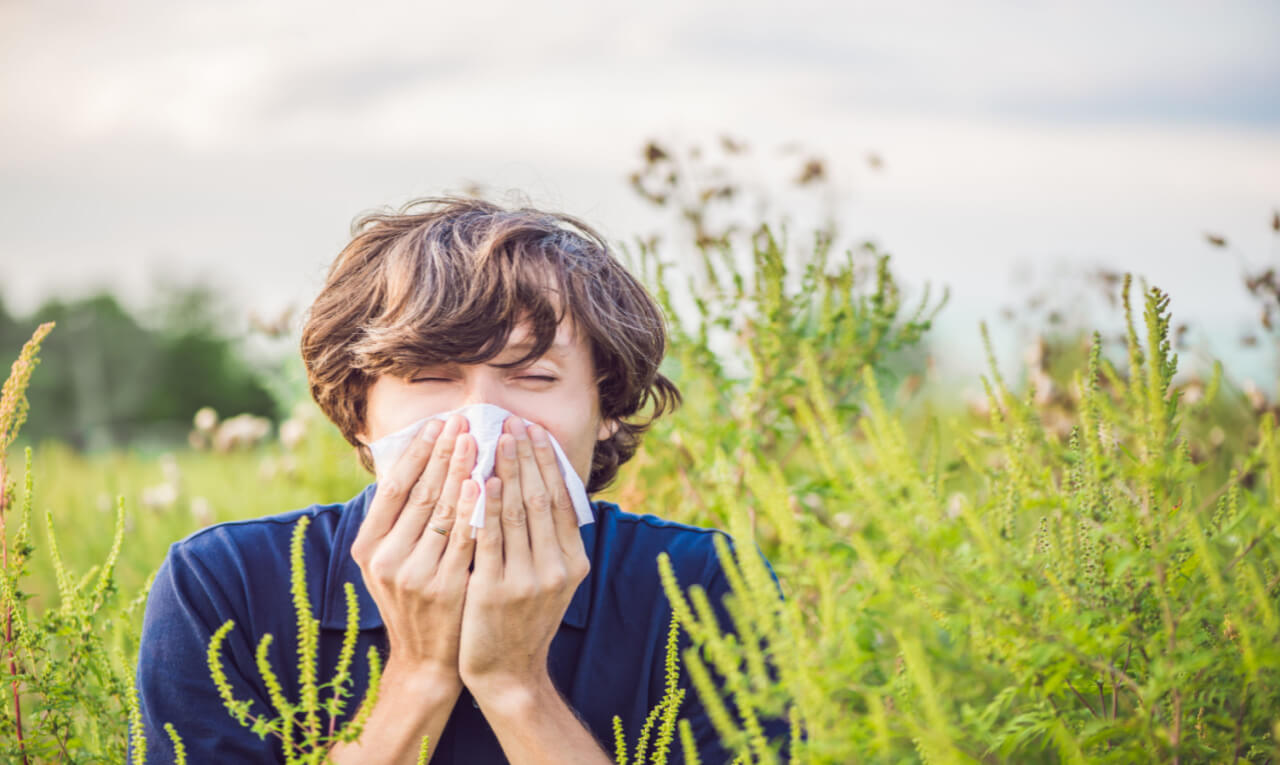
[439, 530]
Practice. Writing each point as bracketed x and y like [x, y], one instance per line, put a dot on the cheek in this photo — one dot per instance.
[574, 440]
[395, 408]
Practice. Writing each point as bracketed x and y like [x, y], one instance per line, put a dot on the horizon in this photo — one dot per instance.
[234, 146]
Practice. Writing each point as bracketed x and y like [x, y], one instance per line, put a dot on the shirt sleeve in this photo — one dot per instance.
[186, 605]
[707, 740]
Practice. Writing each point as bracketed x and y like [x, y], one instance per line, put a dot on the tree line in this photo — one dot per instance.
[113, 376]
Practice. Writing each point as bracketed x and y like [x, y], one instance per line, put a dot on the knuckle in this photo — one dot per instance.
[505, 470]
[442, 511]
[360, 550]
[556, 579]
[433, 591]
[420, 449]
[384, 568]
[424, 494]
[459, 469]
[407, 579]
[392, 488]
[444, 450]
[539, 499]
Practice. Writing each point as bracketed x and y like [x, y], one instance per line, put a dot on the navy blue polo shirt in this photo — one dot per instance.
[607, 657]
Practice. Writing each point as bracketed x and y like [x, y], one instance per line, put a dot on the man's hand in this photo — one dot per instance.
[529, 560]
[418, 578]
[417, 575]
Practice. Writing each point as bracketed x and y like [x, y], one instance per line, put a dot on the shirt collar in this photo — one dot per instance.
[342, 568]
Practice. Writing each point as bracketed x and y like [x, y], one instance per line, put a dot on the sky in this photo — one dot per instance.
[1023, 144]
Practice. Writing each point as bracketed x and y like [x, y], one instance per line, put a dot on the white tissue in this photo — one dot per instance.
[486, 425]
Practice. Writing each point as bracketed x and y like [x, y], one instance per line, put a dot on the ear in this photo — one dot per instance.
[608, 427]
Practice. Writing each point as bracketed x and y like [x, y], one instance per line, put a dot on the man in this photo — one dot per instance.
[522, 643]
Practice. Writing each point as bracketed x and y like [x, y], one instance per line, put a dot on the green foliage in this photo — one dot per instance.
[74, 695]
[198, 488]
[1083, 599]
[112, 379]
[69, 666]
[663, 714]
[302, 718]
[762, 309]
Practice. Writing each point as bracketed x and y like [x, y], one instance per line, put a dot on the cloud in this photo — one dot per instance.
[242, 136]
[214, 75]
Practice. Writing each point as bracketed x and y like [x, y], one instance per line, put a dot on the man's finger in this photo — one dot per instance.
[564, 519]
[461, 547]
[515, 534]
[449, 510]
[432, 498]
[537, 500]
[393, 491]
[489, 539]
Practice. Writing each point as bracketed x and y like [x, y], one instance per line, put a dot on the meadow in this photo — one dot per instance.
[1081, 567]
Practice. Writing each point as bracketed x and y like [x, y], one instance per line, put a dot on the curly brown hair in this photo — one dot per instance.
[446, 279]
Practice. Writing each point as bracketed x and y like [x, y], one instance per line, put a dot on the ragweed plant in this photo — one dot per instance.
[297, 723]
[663, 715]
[847, 310]
[1085, 601]
[67, 664]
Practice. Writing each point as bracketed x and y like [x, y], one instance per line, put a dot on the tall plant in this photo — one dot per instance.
[1080, 601]
[744, 301]
[68, 666]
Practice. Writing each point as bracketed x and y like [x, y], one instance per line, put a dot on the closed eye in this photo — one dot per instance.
[542, 378]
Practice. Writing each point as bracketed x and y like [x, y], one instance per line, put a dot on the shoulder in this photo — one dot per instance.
[235, 560]
[637, 540]
[696, 553]
[252, 534]
[251, 545]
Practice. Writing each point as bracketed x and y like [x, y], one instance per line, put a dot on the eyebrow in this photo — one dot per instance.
[556, 349]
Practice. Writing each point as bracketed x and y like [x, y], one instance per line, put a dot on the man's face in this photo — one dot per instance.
[557, 391]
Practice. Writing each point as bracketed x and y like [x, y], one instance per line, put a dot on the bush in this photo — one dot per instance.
[1033, 599]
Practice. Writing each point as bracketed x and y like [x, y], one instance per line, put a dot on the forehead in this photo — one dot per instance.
[567, 343]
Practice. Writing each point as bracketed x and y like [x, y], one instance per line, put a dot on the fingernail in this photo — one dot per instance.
[538, 434]
[517, 427]
[432, 430]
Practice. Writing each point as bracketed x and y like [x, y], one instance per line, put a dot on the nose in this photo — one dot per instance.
[483, 387]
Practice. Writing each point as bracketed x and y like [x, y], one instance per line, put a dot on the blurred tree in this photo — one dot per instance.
[109, 379]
